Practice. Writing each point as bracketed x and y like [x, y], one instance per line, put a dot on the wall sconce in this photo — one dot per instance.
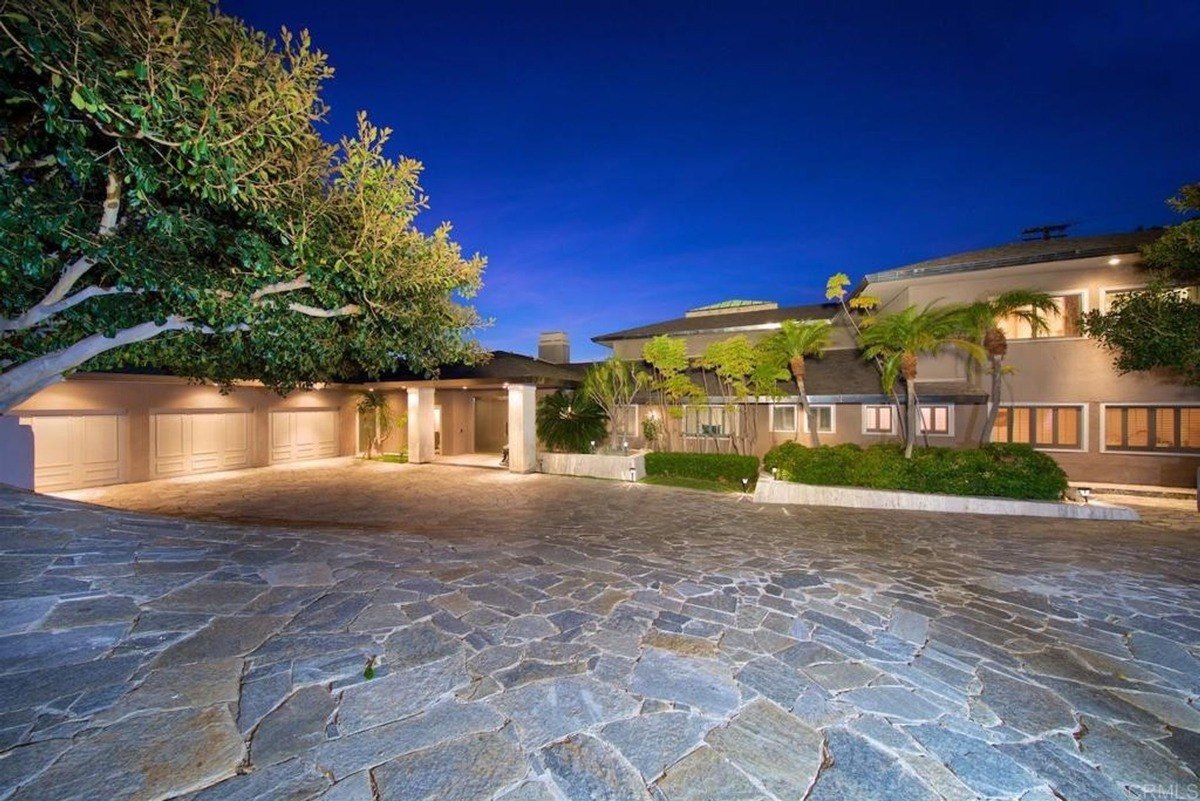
[1084, 492]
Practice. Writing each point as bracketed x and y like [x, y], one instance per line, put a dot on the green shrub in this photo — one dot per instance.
[724, 468]
[998, 470]
[570, 423]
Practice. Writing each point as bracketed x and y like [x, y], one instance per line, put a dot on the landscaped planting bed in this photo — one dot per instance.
[728, 469]
[993, 471]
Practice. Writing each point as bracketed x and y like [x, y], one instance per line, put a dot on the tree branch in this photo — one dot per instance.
[44, 161]
[301, 282]
[43, 312]
[314, 311]
[78, 268]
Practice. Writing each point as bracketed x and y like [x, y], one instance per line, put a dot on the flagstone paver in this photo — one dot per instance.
[537, 637]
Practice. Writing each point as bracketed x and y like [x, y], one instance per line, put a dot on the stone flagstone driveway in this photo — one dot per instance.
[535, 637]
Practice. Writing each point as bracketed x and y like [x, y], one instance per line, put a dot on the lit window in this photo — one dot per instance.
[1040, 426]
[1191, 293]
[708, 421]
[1150, 429]
[824, 418]
[783, 419]
[878, 420]
[1063, 321]
[937, 420]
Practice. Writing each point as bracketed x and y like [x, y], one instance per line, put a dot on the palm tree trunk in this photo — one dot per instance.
[993, 401]
[910, 438]
[814, 436]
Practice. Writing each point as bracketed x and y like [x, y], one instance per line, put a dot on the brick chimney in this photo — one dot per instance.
[554, 347]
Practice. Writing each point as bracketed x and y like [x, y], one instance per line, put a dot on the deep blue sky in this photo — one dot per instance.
[619, 162]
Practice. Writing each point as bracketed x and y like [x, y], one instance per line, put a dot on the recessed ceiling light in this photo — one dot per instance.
[1114, 261]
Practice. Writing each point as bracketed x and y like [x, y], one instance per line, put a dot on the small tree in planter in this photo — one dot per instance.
[373, 409]
[667, 357]
[612, 385]
[570, 423]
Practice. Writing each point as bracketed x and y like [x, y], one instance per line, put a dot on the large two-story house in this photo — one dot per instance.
[1063, 395]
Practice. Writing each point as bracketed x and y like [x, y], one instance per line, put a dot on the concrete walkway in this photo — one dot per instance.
[536, 637]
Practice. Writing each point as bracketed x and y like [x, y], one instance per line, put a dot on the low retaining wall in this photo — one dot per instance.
[770, 490]
[595, 465]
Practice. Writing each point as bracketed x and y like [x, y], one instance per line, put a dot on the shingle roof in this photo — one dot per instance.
[843, 376]
[502, 366]
[1017, 253]
[723, 322]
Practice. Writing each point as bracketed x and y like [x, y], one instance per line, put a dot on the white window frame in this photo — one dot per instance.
[832, 418]
[728, 420]
[1106, 305]
[1083, 423]
[795, 415]
[634, 429]
[949, 407]
[1084, 307]
[1122, 452]
[879, 433]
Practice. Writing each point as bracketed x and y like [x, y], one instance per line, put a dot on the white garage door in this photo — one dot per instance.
[77, 450]
[199, 442]
[296, 436]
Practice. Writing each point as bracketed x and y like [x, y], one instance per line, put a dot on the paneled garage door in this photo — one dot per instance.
[73, 451]
[296, 436]
[199, 442]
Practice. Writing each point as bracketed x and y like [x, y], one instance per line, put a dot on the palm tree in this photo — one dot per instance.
[899, 340]
[792, 343]
[984, 317]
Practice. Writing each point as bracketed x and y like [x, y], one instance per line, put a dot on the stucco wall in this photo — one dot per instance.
[139, 397]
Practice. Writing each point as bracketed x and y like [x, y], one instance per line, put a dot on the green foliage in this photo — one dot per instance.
[898, 339]
[724, 468]
[733, 362]
[667, 357]
[769, 369]
[997, 470]
[612, 384]
[166, 198]
[690, 483]
[1159, 327]
[376, 416]
[570, 423]
[650, 427]
[392, 458]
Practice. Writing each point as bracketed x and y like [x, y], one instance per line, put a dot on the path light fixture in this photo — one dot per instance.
[633, 472]
[745, 485]
[593, 446]
[1084, 492]
[774, 472]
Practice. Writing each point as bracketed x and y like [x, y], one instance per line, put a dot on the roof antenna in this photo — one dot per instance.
[1056, 231]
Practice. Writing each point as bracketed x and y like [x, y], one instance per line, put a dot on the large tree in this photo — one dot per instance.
[899, 340]
[166, 198]
[1159, 327]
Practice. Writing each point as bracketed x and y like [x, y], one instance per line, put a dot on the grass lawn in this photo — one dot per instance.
[689, 483]
[392, 458]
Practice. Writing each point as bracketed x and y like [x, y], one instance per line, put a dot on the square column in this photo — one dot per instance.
[420, 424]
[522, 428]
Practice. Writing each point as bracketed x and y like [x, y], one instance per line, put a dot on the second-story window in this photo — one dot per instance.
[1062, 322]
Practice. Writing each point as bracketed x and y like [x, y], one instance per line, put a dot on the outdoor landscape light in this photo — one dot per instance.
[745, 484]
[774, 472]
[1114, 261]
[1084, 492]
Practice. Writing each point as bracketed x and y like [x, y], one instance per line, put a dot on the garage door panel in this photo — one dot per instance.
[200, 442]
[299, 436]
[73, 451]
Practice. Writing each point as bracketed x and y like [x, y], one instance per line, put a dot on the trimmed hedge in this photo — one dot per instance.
[724, 468]
[995, 470]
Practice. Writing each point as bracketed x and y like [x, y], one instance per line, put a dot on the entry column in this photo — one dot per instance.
[522, 428]
[420, 424]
